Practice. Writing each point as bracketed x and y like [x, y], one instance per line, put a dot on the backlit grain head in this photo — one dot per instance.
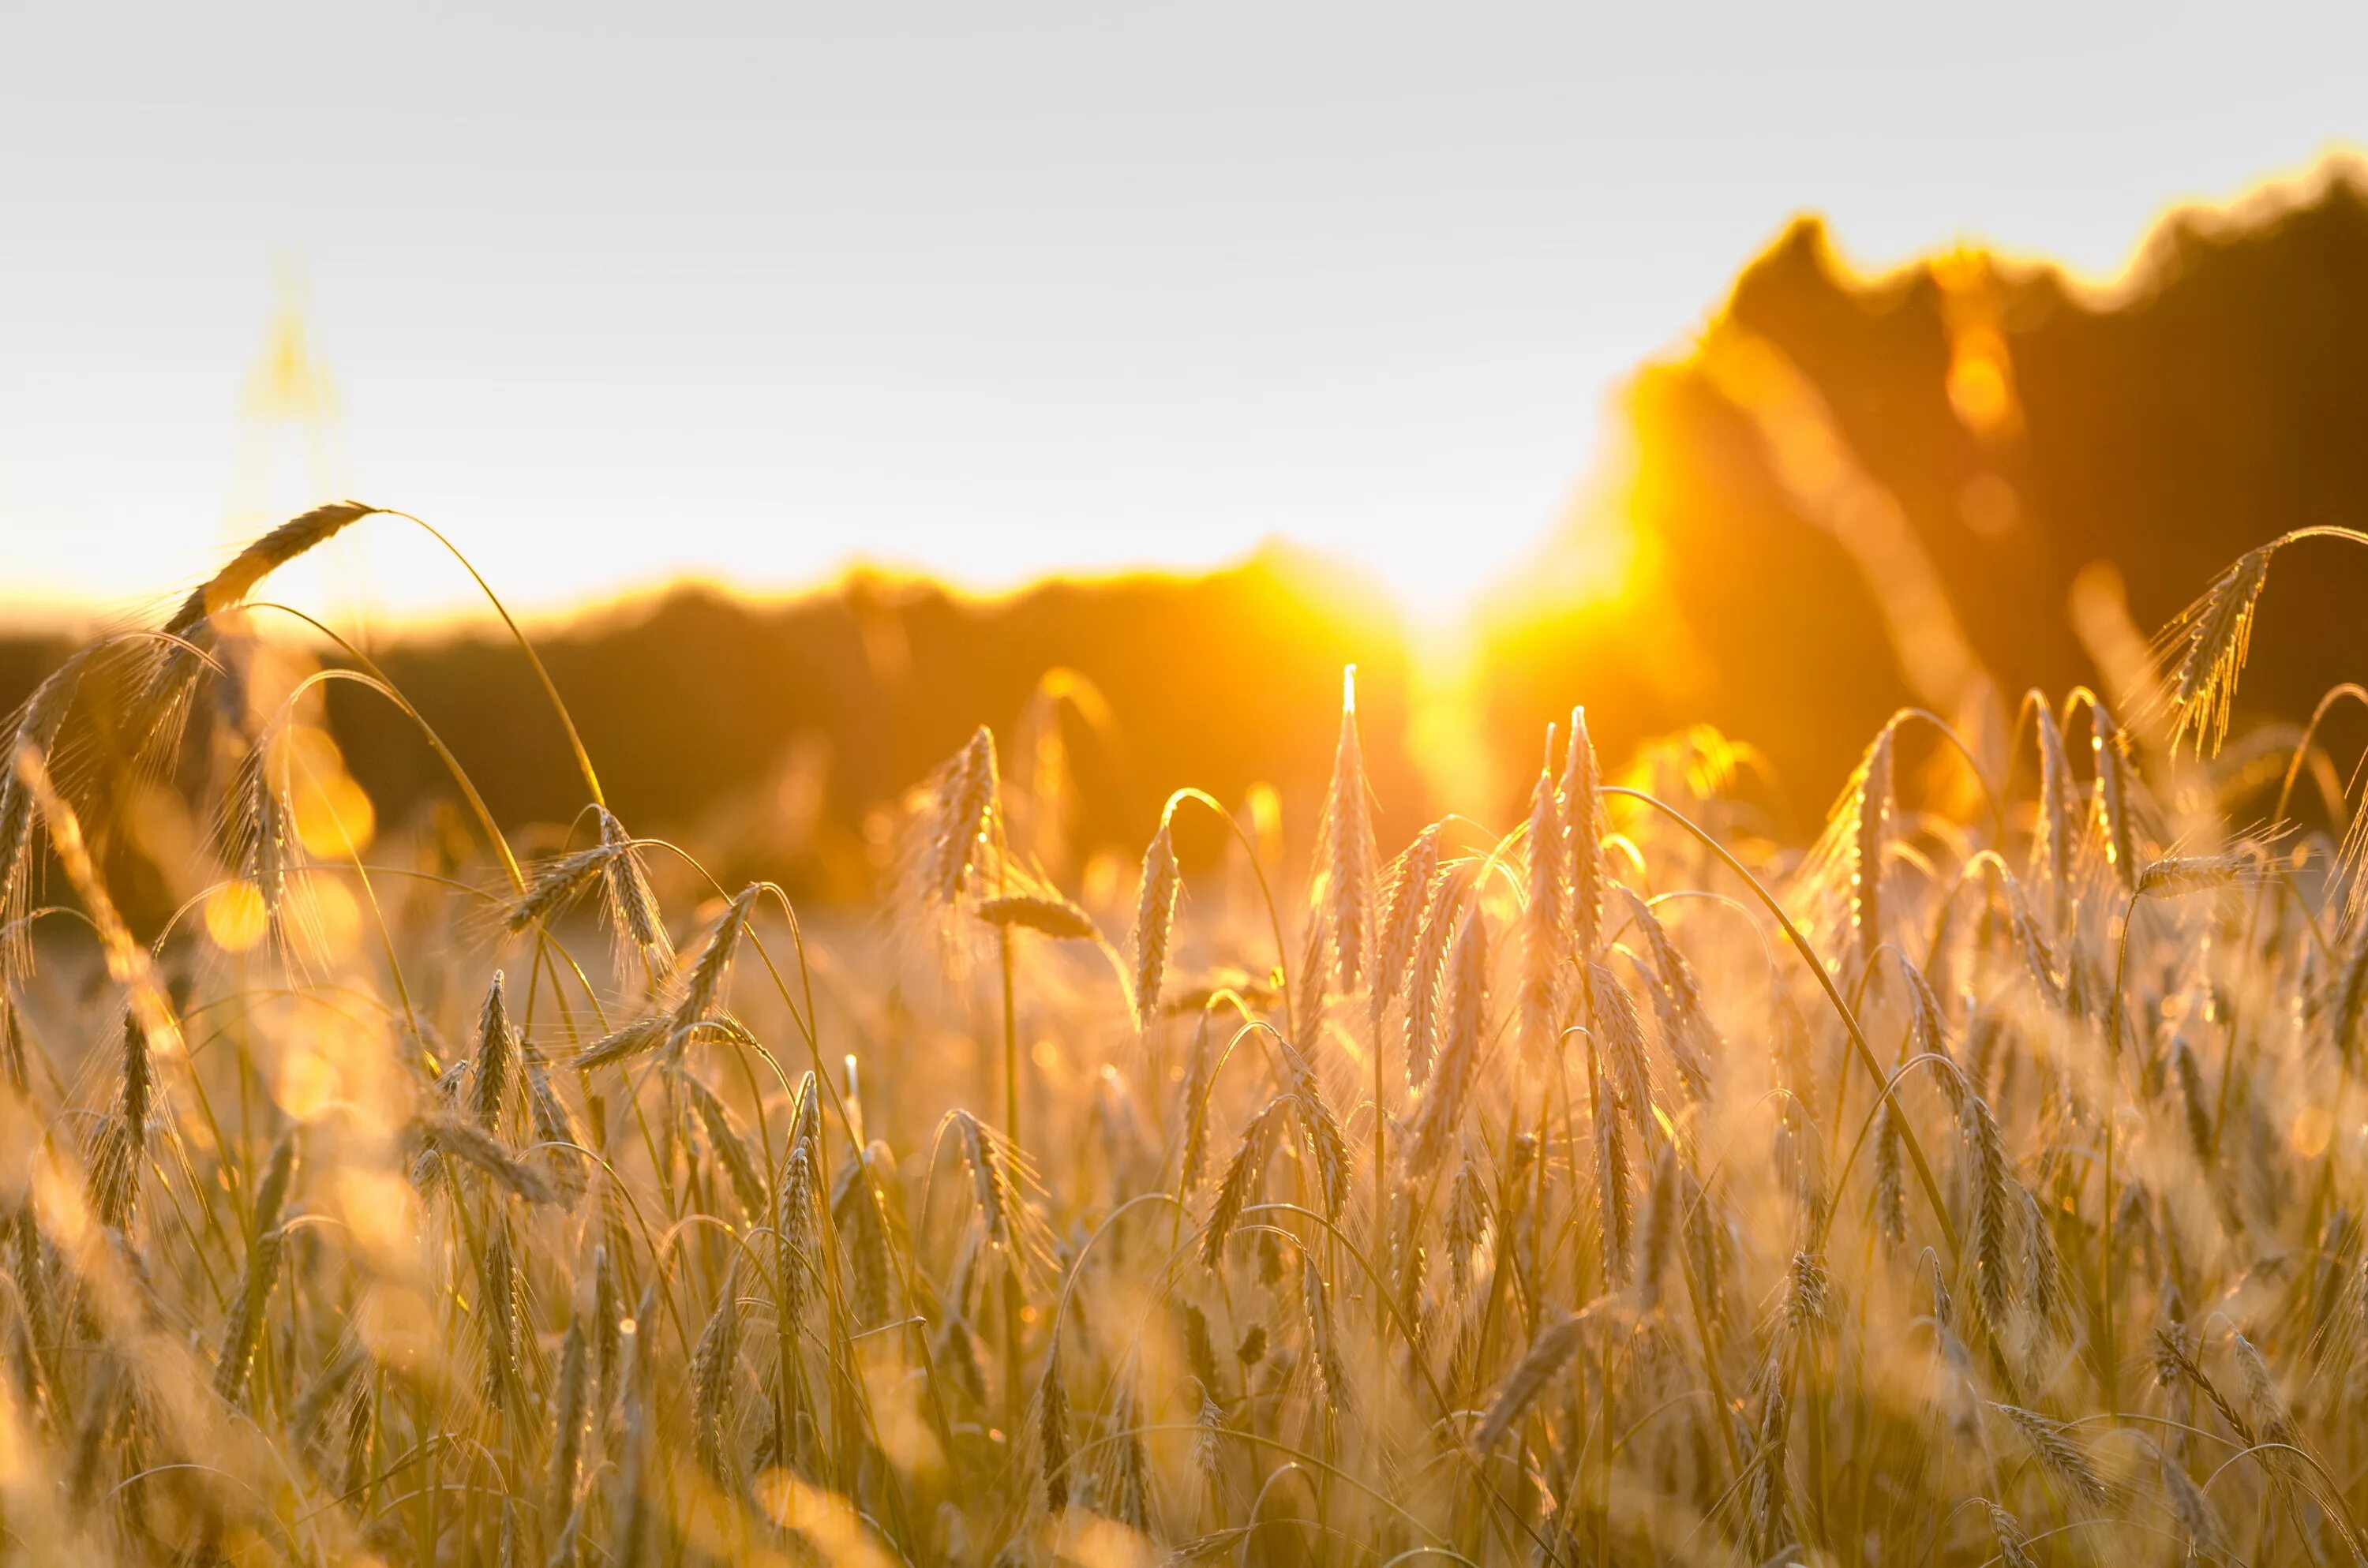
[1154, 914]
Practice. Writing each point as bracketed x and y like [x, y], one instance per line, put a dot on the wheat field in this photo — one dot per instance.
[1981, 1183]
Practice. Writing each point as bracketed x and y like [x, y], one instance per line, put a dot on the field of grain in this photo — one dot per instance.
[1981, 1183]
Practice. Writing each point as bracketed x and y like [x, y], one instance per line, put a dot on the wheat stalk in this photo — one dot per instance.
[556, 885]
[2059, 1453]
[2013, 1540]
[1242, 1173]
[1425, 973]
[966, 807]
[1549, 1352]
[712, 1368]
[497, 1056]
[262, 1268]
[1546, 916]
[2053, 843]
[731, 1149]
[1467, 1007]
[465, 1141]
[2116, 828]
[1468, 1219]
[1155, 914]
[1342, 882]
[1047, 913]
[1405, 898]
[1583, 828]
[1053, 1434]
[1686, 1028]
[554, 1128]
[1615, 1204]
[855, 1207]
[1192, 1098]
[2213, 635]
[568, 1416]
[1870, 819]
[228, 588]
[632, 906]
[1657, 1239]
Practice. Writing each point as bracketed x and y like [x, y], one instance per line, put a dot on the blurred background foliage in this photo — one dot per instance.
[1974, 474]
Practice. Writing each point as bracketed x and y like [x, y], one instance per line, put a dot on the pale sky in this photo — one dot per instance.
[613, 293]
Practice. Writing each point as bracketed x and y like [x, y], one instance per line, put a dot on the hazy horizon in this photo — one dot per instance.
[1059, 292]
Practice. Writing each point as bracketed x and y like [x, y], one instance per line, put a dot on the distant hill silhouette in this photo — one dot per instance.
[776, 732]
[2024, 427]
[1849, 493]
